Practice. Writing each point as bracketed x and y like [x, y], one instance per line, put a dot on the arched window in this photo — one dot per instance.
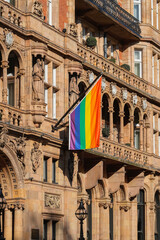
[116, 121]
[13, 80]
[141, 215]
[157, 216]
[136, 129]
[126, 125]
[105, 117]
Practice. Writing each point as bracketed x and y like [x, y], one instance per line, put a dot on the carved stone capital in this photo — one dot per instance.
[105, 204]
[4, 64]
[125, 206]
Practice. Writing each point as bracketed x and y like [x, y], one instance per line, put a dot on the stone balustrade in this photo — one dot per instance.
[10, 115]
[12, 14]
[127, 154]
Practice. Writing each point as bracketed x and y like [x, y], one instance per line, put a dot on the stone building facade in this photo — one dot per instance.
[47, 59]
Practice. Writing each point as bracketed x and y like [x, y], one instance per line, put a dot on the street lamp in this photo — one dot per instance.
[81, 213]
[2, 207]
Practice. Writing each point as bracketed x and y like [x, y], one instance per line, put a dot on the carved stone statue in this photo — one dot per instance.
[74, 90]
[3, 137]
[37, 9]
[73, 29]
[35, 156]
[73, 167]
[18, 146]
[38, 81]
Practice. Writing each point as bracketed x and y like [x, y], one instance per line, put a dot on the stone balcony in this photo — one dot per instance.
[126, 155]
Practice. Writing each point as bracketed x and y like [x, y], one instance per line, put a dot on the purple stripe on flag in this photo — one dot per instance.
[72, 131]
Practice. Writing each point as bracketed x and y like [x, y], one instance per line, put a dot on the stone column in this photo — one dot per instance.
[4, 91]
[104, 220]
[8, 224]
[18, 223]
[121, 115]
[131, 131]
[111, 123]
[125, 221]
[22, 96]
[141, 134]
[151, 223]
[147, 136]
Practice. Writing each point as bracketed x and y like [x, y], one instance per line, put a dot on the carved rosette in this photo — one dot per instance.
[52, 201]
[36, 155]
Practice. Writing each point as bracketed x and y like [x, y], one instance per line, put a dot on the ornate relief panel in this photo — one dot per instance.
[52, 201]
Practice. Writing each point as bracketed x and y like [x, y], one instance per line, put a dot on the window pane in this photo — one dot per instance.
[53, 230]
[137, 55]
[45, 169]
[137, 69]
[53, 171]
[45, 229]
[136, 11]
[11, 94]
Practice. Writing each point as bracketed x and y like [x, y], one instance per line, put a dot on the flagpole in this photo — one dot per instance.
[54, 128]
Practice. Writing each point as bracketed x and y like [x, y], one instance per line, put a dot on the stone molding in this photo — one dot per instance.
[125, 206]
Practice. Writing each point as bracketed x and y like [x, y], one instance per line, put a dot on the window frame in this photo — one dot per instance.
[139, 4]
[138, 61]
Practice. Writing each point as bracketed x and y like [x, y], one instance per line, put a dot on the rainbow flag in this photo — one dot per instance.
[84, 120]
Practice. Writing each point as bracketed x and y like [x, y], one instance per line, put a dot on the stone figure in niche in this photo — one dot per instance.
[38, 81]
[74, 90]
[73, 166]
[35, 156]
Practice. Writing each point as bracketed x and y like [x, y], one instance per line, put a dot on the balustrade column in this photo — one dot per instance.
[104, 220]
[111, 123]
[8, 224]
[121, 115]
[131, 131]
[4, 91]
[18, 223]
[141, 134]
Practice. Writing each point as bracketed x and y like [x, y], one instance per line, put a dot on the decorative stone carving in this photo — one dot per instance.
[3, 136]
[103, 87]
[90, 76]
[35, 156]
[18, 146]
[53, 201]
[38, 9]
[8, 37]
[152, 206]
[38, 80]
[73, 166]
[105, 205]
[126, 208]
[134, 99]
[74, 90]
[124, 94]
[73, 29]
[113, 89]
[144, 104]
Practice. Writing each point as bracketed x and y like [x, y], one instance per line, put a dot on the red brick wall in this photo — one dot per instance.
[120, 2]
[63, 10]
